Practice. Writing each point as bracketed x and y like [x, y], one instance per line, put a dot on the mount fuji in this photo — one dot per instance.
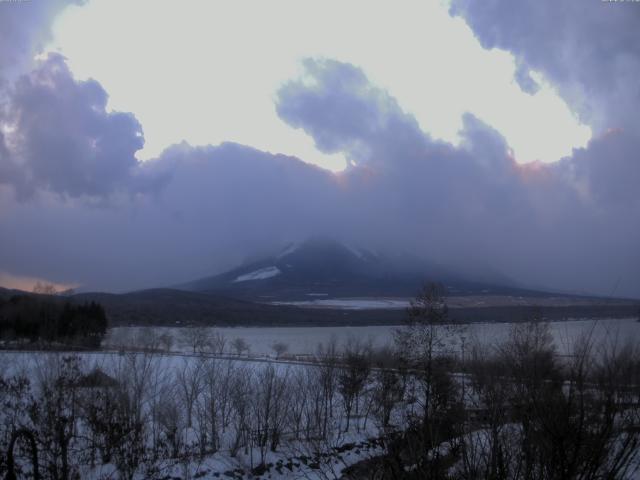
[324, 268]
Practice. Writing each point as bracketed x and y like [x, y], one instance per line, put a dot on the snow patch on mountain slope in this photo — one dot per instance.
[261, 274]
[356, 251]
[288, 250]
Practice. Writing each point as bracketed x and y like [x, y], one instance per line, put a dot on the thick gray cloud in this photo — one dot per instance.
[214, 206]
[88, 212]
[543, 224]
[591, 52]
[589, 49]
[607, 172]
[349, 115]
[470, 206]
[63, 138]
[525, 80]
[25, 27]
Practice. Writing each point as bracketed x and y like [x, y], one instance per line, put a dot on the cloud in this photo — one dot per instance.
[61, 138]
[591, 53]
[607, 172]
[196, 210]
[544, 224]
[28, 284]
[25, 27]
[525, 80]
[217, 204]
[344, 113]
[589, 50]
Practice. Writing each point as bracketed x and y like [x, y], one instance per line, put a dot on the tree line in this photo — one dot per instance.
[48, 320]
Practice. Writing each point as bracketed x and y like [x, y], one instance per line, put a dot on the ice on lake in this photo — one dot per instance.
[305, 340]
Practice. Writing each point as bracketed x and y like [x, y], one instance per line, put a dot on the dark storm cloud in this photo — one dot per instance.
[63, 138]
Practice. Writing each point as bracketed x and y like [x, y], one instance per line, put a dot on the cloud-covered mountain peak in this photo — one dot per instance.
[329, 268]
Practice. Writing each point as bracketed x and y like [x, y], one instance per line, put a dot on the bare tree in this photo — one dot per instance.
[241, 398]
[55, 415]
[279, 348]
[30, 438]
[240, 345]
[299, 399]
[214, 402]
[195, 338]
[269, 408]
[189, 382]
[315, 415]
[44, 288]
[327, 358]
[217, 342]
[352, 377]
[125, 414]
[172, 422]
[426, 343]
[147, 338]
[488, 452]
[16, 399]
[545, 418]
[165, 341]
[388, 387]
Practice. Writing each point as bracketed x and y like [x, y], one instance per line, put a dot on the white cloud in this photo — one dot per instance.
[206, 72]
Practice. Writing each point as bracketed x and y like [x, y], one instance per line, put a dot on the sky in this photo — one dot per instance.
[146, 143]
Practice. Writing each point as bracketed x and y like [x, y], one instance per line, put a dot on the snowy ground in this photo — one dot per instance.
[293, 460]
[321, 459]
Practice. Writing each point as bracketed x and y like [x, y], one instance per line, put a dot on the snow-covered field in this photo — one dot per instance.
[172, 382]
[305, 340]
[236, 391]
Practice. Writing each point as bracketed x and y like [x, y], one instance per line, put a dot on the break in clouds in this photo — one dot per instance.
[77, 207]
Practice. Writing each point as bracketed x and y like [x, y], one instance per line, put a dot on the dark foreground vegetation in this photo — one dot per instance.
[516, 410]
[43, 320]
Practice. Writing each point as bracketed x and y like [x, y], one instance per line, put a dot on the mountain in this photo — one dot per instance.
[323, 268]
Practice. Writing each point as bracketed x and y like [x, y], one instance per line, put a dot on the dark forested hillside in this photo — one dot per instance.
[176, 307]
[170, 307]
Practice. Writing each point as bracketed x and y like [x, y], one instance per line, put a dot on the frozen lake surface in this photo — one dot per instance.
[305, 340]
